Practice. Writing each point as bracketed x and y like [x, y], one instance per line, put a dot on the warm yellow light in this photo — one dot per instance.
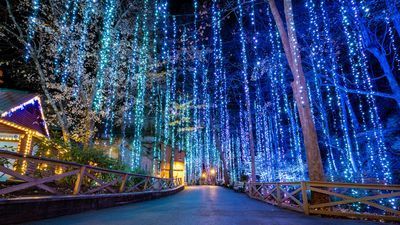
[204, 175]
[59, 170]
[212, 171]
[179, 166]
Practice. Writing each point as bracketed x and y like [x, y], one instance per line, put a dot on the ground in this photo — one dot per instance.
[199, 205]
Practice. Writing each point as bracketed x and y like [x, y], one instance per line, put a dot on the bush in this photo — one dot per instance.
[244, 177]
[57, 149]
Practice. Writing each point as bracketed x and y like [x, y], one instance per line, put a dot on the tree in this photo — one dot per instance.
[64, 52]
[291, 48]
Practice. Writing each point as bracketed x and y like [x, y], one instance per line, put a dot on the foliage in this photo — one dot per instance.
[73, 152]
[244, 177]
[4, 162]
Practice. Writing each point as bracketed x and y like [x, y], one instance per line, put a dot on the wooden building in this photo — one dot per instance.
[22, 123]
[179, 163]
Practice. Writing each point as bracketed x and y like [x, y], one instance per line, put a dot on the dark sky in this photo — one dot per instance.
[179, 7]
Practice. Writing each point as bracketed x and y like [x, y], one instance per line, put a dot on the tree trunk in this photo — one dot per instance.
[370, 42]
[64, 129]
[394, 14]
[222, 156]
[394, 85]
[90, 123]
[251, 142]
[60, 115]
[225, 170]
[350, 109]
[171, 163]
[89, 126]
[291, 48]
[42, 77]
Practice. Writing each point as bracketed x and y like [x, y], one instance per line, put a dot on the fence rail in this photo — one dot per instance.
[45, 176]
[371, 201]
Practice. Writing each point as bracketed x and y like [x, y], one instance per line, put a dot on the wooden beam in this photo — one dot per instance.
[79, 180]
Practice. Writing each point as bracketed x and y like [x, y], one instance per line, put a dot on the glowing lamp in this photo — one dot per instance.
[212, 171]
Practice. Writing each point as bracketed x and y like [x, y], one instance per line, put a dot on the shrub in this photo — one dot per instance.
[57, 149]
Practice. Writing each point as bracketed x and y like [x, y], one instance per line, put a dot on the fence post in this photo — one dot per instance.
[79, 179]
[305, 198]
[145, 183]
[251, 189]
[122, 187]
[161, 180]
[278, 194]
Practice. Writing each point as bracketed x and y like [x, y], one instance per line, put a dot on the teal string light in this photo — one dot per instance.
[156, 92]
[141, 78]
[104, 55]
[174, 70]
[206, 113]
[62, 37]
[217, 77]
[195, 90]
[88, 12]
[166, 60]
[112, 90]
[67, 51]
[129, 98]
[32, 26]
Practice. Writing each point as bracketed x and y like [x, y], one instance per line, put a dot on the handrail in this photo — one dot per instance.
[337, 184]
[340, 198]
[56, 161]
[92, 179]
[364, 186]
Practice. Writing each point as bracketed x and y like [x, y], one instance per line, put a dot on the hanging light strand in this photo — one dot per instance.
[32, 26]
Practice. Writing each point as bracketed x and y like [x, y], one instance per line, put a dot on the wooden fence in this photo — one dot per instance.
[54, 177]
[370, 201]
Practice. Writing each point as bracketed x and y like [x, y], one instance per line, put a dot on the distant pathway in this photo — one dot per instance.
[204, 205]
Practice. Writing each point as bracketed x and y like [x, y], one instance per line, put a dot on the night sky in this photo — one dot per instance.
[179, 7]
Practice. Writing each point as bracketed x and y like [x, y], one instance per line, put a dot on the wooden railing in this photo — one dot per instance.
[370, 201]
[54, 177]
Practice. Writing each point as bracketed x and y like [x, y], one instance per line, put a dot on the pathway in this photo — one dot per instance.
[200, 205]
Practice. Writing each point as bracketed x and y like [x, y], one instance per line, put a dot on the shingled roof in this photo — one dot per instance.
[10, 98]
[30, 116]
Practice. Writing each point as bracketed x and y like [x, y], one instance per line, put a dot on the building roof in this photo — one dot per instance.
[22, 108]
[10, 98]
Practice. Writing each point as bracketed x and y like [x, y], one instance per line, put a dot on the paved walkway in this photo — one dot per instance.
[205, 205]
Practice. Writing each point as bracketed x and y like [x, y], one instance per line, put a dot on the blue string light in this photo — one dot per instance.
[32, 26]
[244, 72]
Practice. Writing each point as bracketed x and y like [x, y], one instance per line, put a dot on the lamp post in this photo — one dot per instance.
[203, 176]
[212, 173]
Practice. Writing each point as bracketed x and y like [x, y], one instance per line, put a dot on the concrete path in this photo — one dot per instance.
[205, 205]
